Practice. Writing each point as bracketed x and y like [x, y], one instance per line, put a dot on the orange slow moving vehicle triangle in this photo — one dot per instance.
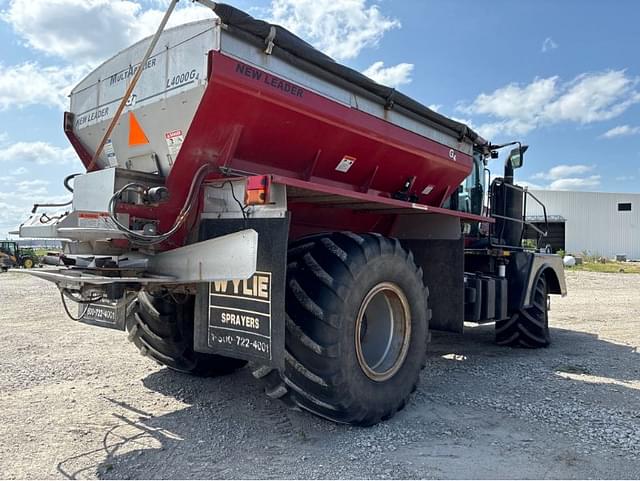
[136, 134]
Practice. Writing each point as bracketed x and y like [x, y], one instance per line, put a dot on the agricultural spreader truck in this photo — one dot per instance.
[248, 199]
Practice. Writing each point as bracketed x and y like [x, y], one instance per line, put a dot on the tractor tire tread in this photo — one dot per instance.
[163, 331]
[320, 270]
[527, 327]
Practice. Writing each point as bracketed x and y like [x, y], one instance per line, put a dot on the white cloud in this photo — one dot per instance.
[515, 101]
[17, 193]
[594, 97]
[562, 170]
[341, 29]
[391, 76]
[36, 186]
[491, 130]
[29, 84]
[89, 30]
[548, 44]
[518, 107]
[566, 177]
[625, 178]
[39, 153]
[621, 130]
[588, 98]
[86, 32]
[576, 183]
[530, 185]
[185, 12]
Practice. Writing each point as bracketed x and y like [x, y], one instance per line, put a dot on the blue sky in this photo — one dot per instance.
[562, 76]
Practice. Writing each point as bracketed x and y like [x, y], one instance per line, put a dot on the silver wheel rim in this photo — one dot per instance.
[383, 331]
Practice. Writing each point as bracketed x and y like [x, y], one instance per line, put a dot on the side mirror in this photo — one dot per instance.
[516, 157]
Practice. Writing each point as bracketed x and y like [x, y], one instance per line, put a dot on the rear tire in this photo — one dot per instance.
[28, 263]
[344, 294]
[162, 329]
[528, 327]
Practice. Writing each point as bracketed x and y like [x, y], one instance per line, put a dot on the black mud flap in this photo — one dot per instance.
[106, 313]
[245, 319]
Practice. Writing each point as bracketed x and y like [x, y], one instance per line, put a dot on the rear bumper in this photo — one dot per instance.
[228, 257]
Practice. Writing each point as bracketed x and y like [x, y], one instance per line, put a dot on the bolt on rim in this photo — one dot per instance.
[383, 331]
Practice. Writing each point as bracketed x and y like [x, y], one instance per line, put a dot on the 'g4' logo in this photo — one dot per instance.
[452, 154]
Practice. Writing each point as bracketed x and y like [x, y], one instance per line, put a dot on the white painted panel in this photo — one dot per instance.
[164, 100]
[593, 222]
[178, 63]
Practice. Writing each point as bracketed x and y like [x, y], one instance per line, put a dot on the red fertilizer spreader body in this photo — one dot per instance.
[213, 94]
[213, 149]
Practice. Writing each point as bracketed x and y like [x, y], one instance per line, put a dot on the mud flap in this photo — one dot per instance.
[106, 313]
[245, 319]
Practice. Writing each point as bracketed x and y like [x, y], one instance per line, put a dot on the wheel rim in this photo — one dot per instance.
[28, 264]
[383, 331]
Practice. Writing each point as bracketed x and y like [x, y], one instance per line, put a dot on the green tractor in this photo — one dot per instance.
[12, 256]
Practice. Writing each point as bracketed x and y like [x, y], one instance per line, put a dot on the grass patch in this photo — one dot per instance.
[609, 266]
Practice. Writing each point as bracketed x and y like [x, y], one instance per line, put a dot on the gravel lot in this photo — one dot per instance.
[79, 402]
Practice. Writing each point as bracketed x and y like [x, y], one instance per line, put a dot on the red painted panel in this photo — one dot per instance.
[283, 128]
[251, 121]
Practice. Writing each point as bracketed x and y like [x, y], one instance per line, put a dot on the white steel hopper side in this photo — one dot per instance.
[163, 103]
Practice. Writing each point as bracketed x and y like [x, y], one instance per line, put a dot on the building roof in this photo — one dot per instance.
[540, 218]
[585, 192]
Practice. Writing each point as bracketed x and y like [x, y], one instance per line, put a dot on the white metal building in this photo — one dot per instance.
[602, 223]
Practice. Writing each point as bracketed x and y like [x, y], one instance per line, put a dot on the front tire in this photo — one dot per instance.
[356, 328]
[162, 329]
[528, 327]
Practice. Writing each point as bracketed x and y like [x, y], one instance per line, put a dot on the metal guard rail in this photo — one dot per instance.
[541, 233]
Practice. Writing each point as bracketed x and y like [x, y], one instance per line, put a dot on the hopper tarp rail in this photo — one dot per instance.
[293, 45]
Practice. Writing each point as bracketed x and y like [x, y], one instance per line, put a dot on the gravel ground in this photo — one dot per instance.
[79, 402]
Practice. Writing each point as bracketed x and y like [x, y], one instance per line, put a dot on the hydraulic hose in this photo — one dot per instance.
[37, 206]
[64, 293]
[66, 181]
[147, 239]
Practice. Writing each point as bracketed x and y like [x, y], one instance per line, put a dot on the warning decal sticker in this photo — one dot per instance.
[174, 139]
[345, 164]
[111, 154]
[95, 220]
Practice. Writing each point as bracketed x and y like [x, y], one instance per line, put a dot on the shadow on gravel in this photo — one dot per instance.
[229, 429]
[577, 352]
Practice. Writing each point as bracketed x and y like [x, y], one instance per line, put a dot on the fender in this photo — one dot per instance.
[524, 270]
[550, 266]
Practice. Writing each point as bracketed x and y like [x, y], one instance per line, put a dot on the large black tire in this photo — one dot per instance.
[328, 279]
[163, 330]
[528, 327]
